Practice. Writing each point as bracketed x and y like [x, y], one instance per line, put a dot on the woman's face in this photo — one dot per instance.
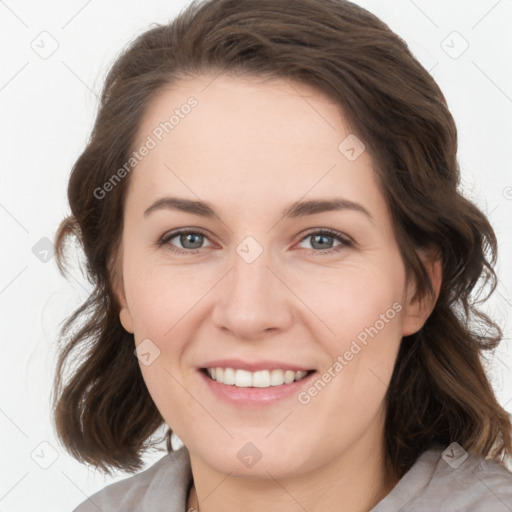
[290, 263]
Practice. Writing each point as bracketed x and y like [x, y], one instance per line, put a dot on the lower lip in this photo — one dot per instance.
[255, 396]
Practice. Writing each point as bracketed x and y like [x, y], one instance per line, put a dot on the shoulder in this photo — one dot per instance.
[477, 484]
[451, 480]
[163, 486]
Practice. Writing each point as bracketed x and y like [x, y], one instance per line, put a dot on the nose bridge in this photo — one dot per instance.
[252, 299]
[250, 276]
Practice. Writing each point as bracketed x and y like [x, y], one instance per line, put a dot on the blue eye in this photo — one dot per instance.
[187, 238]
[323, 241]
[191, 241]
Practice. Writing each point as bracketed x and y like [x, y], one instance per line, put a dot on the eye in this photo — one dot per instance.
[190, 240]
[322, 241]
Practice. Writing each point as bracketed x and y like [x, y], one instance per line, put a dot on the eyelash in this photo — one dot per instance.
[344, 240]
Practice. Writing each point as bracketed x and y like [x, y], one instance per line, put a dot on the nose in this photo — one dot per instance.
[253, 301]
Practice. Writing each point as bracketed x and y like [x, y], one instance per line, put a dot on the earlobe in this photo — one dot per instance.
[418, 309]
[124, 312]
[117, 281]
[126, 319]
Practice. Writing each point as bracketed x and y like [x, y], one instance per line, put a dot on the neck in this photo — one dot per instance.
[355, 481]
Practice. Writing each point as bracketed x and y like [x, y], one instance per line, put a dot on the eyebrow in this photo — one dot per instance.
[294, 210]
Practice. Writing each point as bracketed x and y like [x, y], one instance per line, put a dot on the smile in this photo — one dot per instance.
[259, 379]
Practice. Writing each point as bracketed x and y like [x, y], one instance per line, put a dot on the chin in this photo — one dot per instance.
[254, 456]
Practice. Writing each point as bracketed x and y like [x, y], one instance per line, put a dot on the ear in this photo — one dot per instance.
[124, 314]
[417, 310]
[118, 287]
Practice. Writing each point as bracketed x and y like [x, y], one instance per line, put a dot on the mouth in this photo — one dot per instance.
[252, 383]
[259, 379]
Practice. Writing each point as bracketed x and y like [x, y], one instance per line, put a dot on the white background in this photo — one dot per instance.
[47, 110]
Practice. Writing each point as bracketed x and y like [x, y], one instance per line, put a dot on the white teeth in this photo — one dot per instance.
[259, 379]
[243, 378]
[276, 377]
[289, 376]
[229, 376]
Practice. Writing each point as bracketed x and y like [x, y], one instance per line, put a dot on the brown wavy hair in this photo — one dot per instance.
[439, 391]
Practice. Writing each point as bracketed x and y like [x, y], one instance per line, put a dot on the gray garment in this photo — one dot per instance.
[431, 485]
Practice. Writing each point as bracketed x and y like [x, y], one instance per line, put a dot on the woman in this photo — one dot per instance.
[283, 265]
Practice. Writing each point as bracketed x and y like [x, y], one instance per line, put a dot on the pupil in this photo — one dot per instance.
[320, 237]
[189, 237]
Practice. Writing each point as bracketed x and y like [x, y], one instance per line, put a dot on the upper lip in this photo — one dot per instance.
[254, 366]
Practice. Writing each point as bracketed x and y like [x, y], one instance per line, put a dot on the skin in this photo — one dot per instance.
[250, 148]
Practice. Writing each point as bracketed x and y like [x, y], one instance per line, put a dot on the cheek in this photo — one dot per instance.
[362, 306]
[353, 297]
[160, 297]
[164, 305]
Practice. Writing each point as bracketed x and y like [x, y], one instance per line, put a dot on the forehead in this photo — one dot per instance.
[237, 138]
